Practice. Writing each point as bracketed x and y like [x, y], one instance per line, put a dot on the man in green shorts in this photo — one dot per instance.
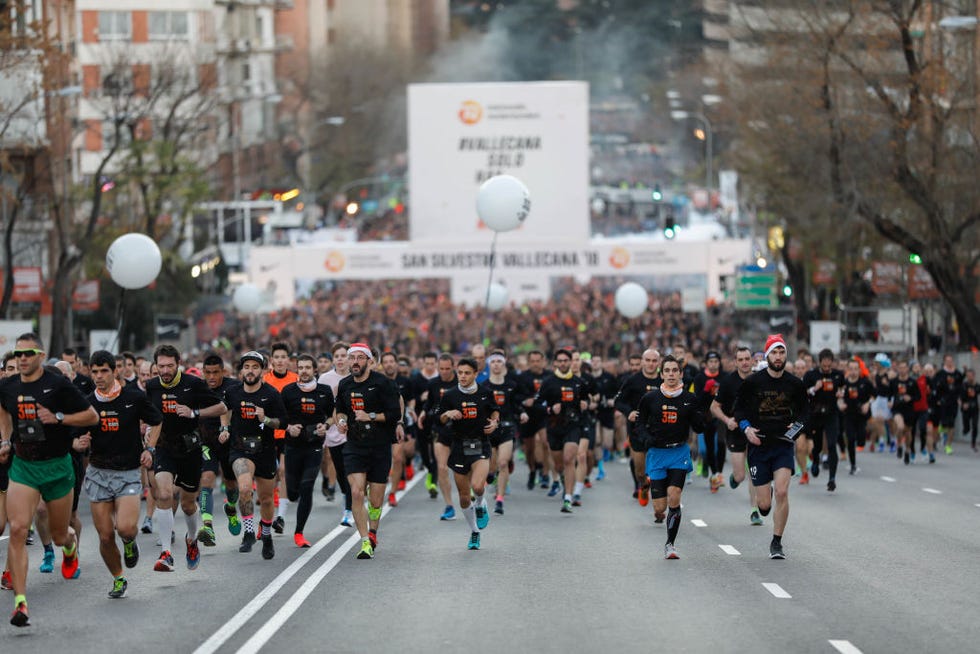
[37, 411]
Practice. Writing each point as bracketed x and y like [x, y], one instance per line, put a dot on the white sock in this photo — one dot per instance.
[193, 521]
[579, 486]
[283, 507]
[567, 497]
[481, 501]
[470, 514]
[165, 527]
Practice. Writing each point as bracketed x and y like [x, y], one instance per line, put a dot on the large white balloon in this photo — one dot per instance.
[133, 260]
[631, 299]
[497, 297]
[247, 298]
[503, 203]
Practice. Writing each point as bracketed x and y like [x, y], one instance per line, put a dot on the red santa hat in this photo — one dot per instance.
[774, 341]
[362, 348]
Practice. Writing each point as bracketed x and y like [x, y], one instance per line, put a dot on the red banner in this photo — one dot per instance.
[823, 272]
[28, 285]
[921, 286]
[86, 296]
[887, 278]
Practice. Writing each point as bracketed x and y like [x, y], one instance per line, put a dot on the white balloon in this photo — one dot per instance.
[503, 203]
[247, 298]
[631, 299]
[497, 297]
[133, 260]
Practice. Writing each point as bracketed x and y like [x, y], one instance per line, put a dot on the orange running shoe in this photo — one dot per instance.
[805, 477]
[300, 540]
[644, 497]
[391, 500]
[19, 617]
[401, 484]
[409, 472]
[69, 564]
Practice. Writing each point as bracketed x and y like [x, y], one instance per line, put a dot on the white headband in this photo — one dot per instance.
[496, 357]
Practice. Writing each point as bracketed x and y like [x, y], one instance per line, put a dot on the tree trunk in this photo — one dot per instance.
[8, 275]
[954, 289]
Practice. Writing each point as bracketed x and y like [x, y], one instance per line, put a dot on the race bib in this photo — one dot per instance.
[472, 447]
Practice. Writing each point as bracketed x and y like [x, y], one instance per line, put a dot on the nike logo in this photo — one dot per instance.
[129, 406]
[371, 388]
[47, 390]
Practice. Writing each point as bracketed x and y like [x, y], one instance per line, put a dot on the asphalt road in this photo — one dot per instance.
[886, 563]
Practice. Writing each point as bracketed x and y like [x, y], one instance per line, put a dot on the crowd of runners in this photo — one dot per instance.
[259, 433]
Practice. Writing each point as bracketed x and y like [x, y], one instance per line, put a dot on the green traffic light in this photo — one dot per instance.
[914, 258]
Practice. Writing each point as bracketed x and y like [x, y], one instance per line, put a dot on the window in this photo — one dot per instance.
[18, 16]
[115, 25]
[109, 135]
[168, 25]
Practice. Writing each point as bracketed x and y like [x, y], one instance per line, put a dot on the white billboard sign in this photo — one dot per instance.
[10, 330]
[460, 135]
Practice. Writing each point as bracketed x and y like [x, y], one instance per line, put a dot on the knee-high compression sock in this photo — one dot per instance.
[165, 527]
[470, 514]
[673, 523]
[207, 504]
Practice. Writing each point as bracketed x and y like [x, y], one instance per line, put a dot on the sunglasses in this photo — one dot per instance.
[27, 353]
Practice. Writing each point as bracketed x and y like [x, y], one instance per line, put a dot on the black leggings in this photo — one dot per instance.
[829, 424]
[714, 449]
[854, 427]
[337, 454]
[302, 469]
[970, 424]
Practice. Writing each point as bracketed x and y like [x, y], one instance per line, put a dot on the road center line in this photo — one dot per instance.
[728, 549]
[247, 612]
[776, 590]
[8, 536]
[976, 505]
[844, 647]
[933, 491]
[697, 522]
[890, 480]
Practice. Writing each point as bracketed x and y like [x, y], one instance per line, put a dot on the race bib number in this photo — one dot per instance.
[567, 395]
[469, 412]
[472, 447]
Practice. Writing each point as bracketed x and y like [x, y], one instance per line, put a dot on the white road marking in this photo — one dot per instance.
[244, 616]
[933, 491]
[888, 479]
[697, 522]
[976, 505]
[776, 590]
[844, 647]
[6, 537]
[728, 549]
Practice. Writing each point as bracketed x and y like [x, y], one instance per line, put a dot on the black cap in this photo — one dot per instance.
[712, 354]
[252, 355]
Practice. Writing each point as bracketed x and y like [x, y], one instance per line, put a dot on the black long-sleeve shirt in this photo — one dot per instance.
[771, 404]
[666, 421]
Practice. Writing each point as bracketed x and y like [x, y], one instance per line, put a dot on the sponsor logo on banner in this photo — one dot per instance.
[471, 112]
[619, 257]
[335, 261]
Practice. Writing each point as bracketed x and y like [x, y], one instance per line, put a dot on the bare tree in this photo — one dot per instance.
[862, 118]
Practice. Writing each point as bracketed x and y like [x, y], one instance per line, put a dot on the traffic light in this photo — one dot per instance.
[914, 258]
[657, 195]
[670, 227]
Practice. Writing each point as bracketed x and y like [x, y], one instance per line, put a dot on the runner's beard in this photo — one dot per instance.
[250, 378]
[777, 366]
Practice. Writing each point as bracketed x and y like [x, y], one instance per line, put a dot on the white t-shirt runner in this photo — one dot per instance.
[332, 379]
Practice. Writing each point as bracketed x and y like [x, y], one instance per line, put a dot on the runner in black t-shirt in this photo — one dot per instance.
[309, 411]
[627, 401]
[256, 412]
[968, 406]
[37, 411]
[823, 385]
[116, 454]
[177, 456]
[471, 414]
[439, 434]
[508, 401]
[904, 391]
[403, 449]
[532, 433]
[216, 458]
[946, 383]
[855, 405]
[565, 398]
[605, 388]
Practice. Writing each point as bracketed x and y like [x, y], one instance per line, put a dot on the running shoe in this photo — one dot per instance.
[401, 485]
[300, 540]
[409, 473]
[644, 495]
[431, 486]
[491, 477]
[804, 478]
[901, 452]
[601, 474]
[831, 486]
[731, 481]
[555, 488]
[373, 537]
[566, 506]
[576, 500]
[131, 553]
[6, 583]
[670, 552]
[248, 540]
[907, 458]
[119, 587]
[449, 513]
[367, 552]
[588, 484]
[912, 456]
[206, 536]
[347, 520]
[498, 507]
[715, 483]
[268, 549]
[30, 536]
[530, 479]
[234, 524]
[147, 527]
[325, 487]
[776, 551]
[698, 467]
[47, 565]
[815, 469]
[279, 524]
[544, 482]
[932, 457]
[658, 517]
[756, 519]
[331, 494]
[855, 470]
[482, 517]
[949, 449]
[392, 500]
[474, 543]
[69, 565]
[193, 556]
[165, 563]
[19, 617]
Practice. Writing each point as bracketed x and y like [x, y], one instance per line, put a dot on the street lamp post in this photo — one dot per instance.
[708, 137]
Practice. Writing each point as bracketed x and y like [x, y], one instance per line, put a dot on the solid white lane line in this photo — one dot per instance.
[8, 536]
[888, 479]
[977, 505]
[728, 549]
[269, 629]
[776, 590]
[247, 612]
[844, 647]
[933, 491]
[697, 522]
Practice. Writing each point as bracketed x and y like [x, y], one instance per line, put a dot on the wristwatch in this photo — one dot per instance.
[152, 450]
[372, 415]
[60, 417]
[197, 413]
